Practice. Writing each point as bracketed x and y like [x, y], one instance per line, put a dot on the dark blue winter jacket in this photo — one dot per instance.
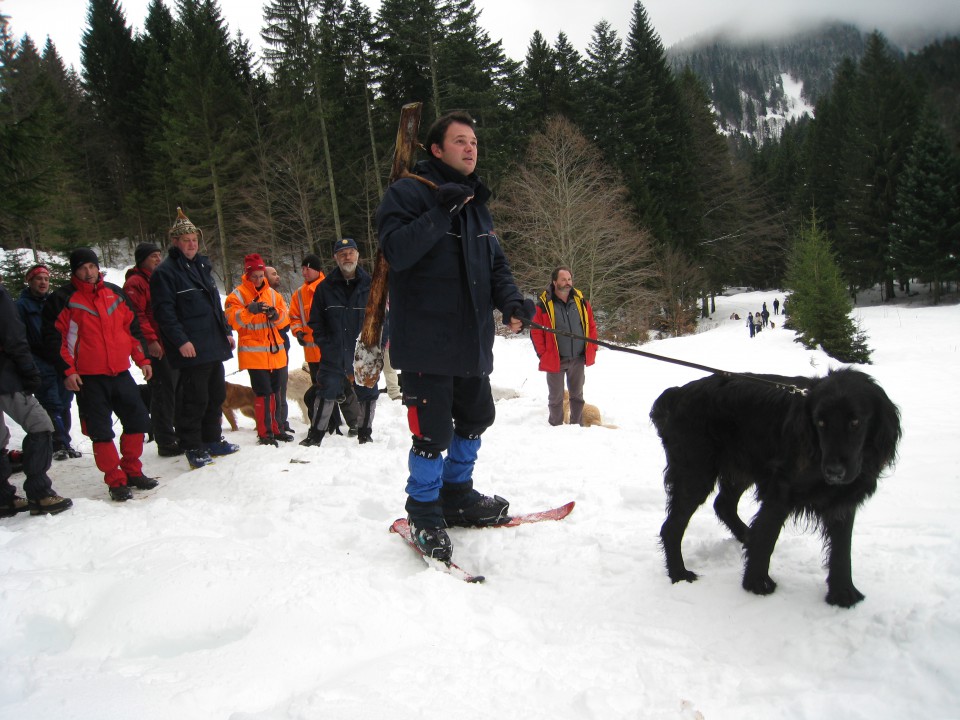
[187, 308]
[336, 318]
[447, 274]
[16, 361]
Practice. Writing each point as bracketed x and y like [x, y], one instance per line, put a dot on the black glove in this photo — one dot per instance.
[453, 196]
[521, 311]
[256, 307]
[31, 383]
[300, 339]
[271, 313]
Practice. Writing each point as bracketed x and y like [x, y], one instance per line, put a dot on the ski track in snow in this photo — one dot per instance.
[261, 589]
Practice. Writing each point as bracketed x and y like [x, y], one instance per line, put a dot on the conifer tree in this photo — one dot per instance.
[202, 121]
[603, 93]
[568, 87]
[819, 304]
[925, 237]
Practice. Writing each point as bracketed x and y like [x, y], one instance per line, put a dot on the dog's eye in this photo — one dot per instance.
[821, 423]
[855, 423]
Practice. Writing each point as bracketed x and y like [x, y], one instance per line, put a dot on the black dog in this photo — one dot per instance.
[817, 456]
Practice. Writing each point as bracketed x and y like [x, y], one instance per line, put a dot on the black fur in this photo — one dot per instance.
[817, 456]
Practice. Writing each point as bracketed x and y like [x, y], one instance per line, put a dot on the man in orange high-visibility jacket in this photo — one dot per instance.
[257, 312]
[300, 304]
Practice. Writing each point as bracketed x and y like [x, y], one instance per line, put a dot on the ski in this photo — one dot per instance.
[557, 513]
[402, 528]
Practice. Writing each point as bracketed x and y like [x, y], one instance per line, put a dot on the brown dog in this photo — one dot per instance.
[239, 397]
[591, 414]
[298, 382]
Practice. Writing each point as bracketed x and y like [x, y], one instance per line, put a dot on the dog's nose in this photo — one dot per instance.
[835, 474]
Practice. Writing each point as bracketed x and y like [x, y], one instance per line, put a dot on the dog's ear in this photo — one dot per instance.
[885, 429]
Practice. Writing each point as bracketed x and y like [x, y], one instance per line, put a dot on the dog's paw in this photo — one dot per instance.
[762, 585]
[845, 597]
[684, 575]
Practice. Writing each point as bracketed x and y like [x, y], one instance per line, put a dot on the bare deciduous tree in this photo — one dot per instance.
[564, 206]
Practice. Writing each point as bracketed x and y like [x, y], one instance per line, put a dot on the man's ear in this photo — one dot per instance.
[436, 150]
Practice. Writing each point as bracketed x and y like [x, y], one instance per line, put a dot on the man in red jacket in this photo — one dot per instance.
[93, 329]
[562, 307]
[162, 384]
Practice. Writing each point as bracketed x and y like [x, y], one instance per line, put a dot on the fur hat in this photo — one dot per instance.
[36, 270]
[81, 256]
[183, 226]
[344, 244]
[143, 251]
[313, 262]
[253, 262]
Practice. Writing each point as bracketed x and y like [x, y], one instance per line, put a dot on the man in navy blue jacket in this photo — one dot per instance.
[447, 274]
[336, 318]
[196, 340]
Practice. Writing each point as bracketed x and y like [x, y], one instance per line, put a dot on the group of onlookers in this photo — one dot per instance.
[448, 273]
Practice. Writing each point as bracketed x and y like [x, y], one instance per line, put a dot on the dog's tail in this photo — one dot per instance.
[663, 408]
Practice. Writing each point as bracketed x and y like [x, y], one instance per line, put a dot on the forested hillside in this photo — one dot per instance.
[285, 152]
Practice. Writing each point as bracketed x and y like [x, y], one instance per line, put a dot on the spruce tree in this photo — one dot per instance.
[925, 236]
[819, 303]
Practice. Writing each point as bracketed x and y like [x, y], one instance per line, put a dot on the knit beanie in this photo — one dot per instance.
[143, 251]
[313, 262]
[183, 226]
[81, 256]
[253, 262]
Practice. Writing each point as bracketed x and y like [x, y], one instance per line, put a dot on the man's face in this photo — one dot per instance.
[151, 261]
[459, 149]
[309, 274]
[273, 277]
[39, 284]
[563, 283]
[256, 277]
[188, 244]
[347, 261]
[88, 273]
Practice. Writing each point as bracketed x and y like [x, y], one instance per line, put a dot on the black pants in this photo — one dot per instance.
[201, 391]
[101, 396]
[439, 404]
[163, 388]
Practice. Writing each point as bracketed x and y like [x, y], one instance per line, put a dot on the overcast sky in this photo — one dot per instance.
[514, 21]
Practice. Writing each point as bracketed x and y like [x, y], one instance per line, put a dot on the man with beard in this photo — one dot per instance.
[336, 318]
[564, 308]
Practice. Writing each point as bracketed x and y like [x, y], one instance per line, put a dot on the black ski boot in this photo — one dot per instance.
[465, 507]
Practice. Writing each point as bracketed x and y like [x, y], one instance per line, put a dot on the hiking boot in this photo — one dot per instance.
[364, 435]
[169, 450]
[283, 436]
[120, 493]
[65, 453]
[313, 438]
[198, 458]
[352, 432]
[432, 541]
[141, 482]
[475, 510]
[16, 505]
[221, 447]
[50, 505]
[268, 440]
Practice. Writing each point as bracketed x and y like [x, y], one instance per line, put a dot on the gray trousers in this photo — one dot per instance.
[571, 370]
[26, 411]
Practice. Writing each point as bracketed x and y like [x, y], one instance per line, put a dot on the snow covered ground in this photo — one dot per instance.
[266, 586]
